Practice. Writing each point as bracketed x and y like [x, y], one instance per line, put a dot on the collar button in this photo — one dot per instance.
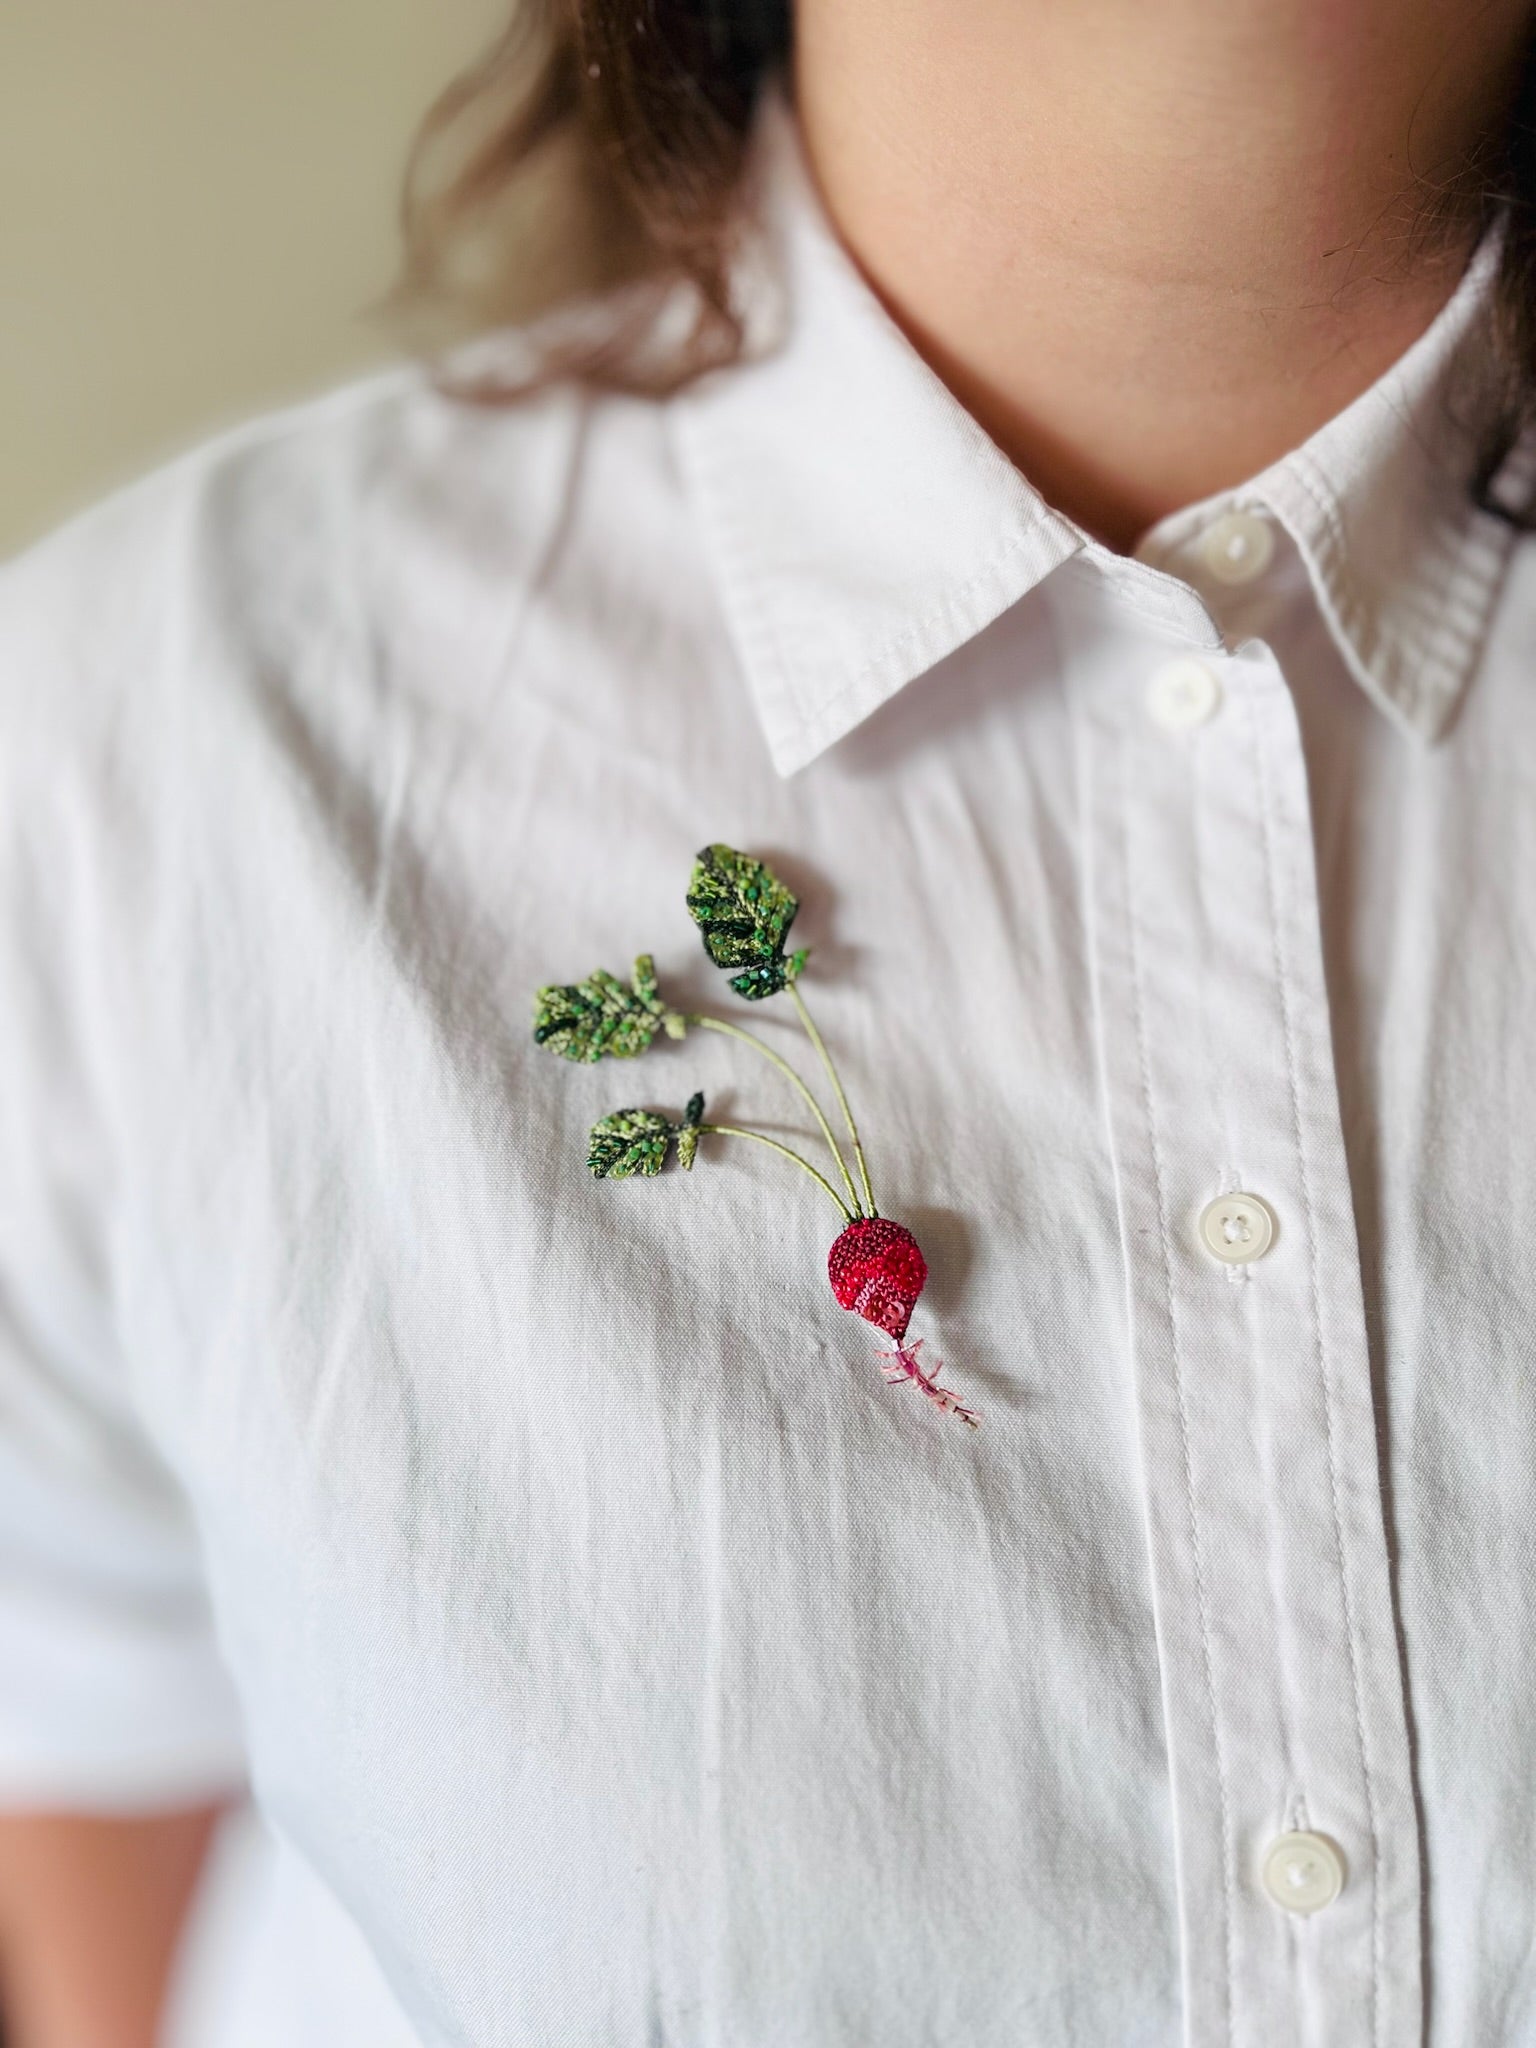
[1238, 547]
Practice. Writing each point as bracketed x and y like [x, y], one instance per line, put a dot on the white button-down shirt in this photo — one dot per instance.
[634, 1662]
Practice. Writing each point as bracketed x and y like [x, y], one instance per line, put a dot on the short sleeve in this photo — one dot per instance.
[112, 1692]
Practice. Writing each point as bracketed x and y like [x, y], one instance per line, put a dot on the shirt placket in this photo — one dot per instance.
[1282, 1689]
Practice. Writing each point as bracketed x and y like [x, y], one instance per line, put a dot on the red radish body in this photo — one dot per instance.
[877, 1270]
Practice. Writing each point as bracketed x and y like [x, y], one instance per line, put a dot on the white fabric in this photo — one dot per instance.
[634, 1663]
[270, 1960]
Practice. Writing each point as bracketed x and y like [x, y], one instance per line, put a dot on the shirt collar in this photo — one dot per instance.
[863, 526]
[1403, 566]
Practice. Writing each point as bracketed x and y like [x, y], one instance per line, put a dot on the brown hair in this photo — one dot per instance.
[600, 144]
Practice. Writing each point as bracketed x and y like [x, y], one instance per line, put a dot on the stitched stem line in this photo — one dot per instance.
[760, 1138]
[768, 1053]
[837, 1088]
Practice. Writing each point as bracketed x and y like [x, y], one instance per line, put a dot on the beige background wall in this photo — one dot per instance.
[196, 207]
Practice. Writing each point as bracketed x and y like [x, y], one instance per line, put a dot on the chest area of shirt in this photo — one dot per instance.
[560, 1472]
[1033, 898]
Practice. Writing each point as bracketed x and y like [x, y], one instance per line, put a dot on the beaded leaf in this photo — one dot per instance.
[744, 912]
[593, 1019]
[628, 1142]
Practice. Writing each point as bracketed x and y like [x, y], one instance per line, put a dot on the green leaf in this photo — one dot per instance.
[628, 1142]
[596, 1018]
[688, 1136]
[744, 913]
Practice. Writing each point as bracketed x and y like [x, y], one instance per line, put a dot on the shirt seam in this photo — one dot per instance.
[1320, 1349]
[1231, 1180]
[1202, 1603]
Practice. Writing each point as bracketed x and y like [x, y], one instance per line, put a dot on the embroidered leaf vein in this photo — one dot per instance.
[744, 912]
[600, 1018]
[630, 1141]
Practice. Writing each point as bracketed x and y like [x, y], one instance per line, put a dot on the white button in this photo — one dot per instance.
[1303, 1872]
[1237, 1228]
[1183, 692]
[1238, 547]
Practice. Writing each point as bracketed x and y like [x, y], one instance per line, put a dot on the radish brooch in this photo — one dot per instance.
[744, 912]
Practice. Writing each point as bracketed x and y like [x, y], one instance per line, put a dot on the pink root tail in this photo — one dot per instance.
[902, 1364]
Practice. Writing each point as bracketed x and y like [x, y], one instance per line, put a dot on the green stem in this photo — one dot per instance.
[758, 1138]
[837, 1088]
[768, 1053]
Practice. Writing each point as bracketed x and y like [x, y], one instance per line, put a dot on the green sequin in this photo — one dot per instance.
[599, 1017]
[744, 913]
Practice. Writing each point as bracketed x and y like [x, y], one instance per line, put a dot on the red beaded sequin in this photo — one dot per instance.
[877, 1270]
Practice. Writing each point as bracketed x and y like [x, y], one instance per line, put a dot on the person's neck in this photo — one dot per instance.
[1153, 247]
